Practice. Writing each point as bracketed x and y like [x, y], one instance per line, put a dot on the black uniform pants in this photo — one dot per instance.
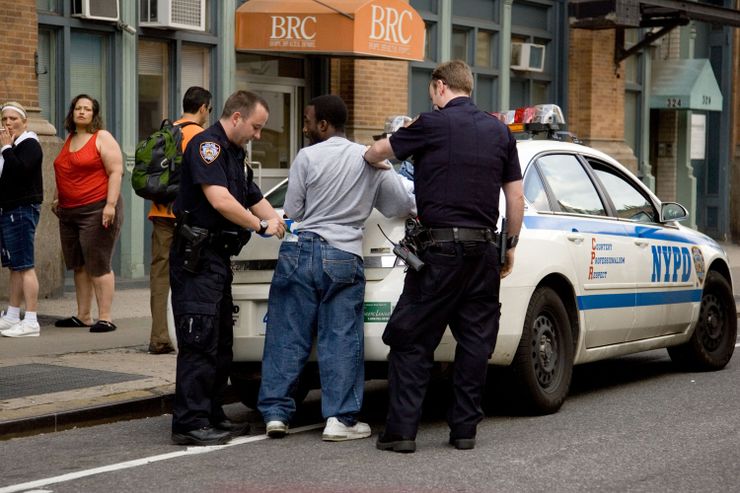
[202, 305]
[459, 287]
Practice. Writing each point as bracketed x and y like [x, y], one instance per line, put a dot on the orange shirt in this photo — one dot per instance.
[81, 177]
[188, 132]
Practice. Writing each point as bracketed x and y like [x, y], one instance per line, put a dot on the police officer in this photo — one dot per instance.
[463, 157]
[216, 207]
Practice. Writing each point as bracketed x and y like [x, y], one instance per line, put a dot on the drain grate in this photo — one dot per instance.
[34, 379]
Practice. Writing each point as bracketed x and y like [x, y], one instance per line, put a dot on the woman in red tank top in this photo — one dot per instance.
[88, 171]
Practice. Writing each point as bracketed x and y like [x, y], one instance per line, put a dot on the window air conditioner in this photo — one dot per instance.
[527, 56]
[103, 10]
[173, 14]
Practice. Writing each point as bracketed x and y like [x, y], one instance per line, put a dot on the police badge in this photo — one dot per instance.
[209, 151]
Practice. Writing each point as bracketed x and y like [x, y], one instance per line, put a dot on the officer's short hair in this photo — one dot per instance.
[194, 98]
[331, 108]
[244, 102]
[456, 74]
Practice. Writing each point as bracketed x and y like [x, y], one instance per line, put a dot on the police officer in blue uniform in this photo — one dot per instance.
[463, 158]
[217, 207]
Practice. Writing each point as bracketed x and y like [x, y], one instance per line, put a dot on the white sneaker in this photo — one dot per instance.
[23, 329]
[276, 429]
[6, 323]
[336, 431]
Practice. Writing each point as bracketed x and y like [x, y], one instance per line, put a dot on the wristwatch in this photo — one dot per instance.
[512, 241]
[263, 227]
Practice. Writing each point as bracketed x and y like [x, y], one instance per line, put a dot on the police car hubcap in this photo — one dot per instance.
[545, 350]
[711, 322]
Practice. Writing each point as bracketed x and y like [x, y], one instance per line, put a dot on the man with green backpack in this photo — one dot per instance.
[156, 177]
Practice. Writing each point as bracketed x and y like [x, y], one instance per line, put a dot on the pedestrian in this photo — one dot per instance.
[463, 157]
[319, 281]
[196, 106]
[88, 203]
[21, 194]
[216, 207]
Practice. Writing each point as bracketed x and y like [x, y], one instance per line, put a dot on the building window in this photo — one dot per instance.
[46, 69]
[196, 67]
[88, 57]
[484, 49]
[153, 68]
[48, 5]
[460, 48]
[633, 93]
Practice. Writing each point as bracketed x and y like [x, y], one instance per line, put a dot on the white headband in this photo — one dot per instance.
[14, 108]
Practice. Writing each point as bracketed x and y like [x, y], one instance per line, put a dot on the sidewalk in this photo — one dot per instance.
[69, 377]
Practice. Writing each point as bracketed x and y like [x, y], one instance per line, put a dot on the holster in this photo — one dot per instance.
[192, 241]
[230, 242]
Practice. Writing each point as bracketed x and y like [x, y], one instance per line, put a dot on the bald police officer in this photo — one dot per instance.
[463, 157]
[217, 206]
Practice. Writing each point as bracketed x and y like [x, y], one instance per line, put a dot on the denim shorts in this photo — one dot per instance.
[17, 231]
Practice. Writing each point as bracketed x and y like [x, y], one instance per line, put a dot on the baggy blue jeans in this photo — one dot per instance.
[317, 290]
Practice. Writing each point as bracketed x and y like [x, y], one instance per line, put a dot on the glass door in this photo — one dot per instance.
[272, 155]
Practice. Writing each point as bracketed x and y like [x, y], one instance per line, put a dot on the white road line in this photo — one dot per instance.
[144, 461]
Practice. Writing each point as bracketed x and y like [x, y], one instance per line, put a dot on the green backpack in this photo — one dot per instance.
[156, 173]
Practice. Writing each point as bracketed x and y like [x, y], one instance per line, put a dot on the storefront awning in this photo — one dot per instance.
[685, 84]
[364, 28]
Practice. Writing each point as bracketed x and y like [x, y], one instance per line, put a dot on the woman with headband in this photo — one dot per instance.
[21, 194]
[88, 204]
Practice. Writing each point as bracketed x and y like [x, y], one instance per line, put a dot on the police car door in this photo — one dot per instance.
[599, 247]
[663, 259]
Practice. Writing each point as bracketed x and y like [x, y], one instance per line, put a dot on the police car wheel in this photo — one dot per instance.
[246, 383]
[713, 341]
[543, 364]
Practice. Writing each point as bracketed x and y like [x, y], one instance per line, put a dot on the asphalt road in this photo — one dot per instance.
[630, 424]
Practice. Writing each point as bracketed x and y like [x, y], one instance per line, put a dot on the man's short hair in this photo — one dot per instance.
[456, 74]
[331, 108]
[194, 98]
[244, 102]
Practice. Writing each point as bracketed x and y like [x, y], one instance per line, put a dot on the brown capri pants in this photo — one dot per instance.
[85, 242]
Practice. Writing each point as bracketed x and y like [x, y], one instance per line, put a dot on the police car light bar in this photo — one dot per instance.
[533, 120]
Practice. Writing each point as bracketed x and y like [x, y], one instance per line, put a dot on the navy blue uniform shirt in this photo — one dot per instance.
[211, 159]
[462, 156]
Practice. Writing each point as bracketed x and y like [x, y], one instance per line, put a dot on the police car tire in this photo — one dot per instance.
[246, 384]
[542, 375]
[713, 341]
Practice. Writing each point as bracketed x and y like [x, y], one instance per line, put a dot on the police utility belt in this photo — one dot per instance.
[191, 240]
[460, 235]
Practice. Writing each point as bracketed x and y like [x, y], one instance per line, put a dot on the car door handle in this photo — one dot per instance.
[641, 243]
[575, 238]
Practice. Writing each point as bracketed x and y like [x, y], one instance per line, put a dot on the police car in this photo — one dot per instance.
[603, 268]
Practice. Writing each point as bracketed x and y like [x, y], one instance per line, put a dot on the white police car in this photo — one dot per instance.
[602, 269]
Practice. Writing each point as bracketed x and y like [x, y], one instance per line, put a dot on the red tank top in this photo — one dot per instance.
[81, 176]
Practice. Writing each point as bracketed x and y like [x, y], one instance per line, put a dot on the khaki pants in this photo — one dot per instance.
[159, 280]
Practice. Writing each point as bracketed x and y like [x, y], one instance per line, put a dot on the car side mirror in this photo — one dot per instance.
[672, 211]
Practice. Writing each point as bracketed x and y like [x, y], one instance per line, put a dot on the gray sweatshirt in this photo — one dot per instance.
[331, 191]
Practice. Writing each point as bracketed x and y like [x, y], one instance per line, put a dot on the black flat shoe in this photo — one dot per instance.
[463, 443]
[396, 443]
[203, 436]
[234, 428]
[103, 326]
[70, 322]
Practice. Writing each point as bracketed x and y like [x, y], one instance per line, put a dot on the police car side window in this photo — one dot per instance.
[571, 186]
[276, 197]
[628, 201]
[534, 190]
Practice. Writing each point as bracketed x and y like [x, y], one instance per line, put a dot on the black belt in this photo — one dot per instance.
[460, 235]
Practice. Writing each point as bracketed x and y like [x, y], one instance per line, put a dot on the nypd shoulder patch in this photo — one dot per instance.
[209, 151]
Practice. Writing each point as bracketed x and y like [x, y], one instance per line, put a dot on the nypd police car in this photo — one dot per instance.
[603, 268]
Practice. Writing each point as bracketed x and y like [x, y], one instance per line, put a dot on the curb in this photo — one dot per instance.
[90, 416]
